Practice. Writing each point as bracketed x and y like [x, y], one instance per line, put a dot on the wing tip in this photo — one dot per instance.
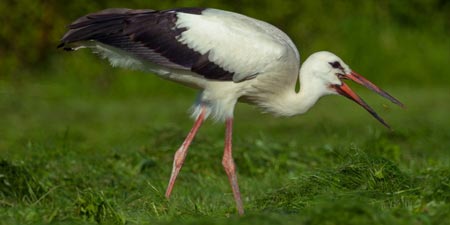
[63, 46]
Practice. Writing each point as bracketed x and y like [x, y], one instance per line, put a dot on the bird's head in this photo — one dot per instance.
[328, 72]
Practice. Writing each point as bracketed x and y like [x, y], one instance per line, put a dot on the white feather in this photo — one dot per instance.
[235, 42]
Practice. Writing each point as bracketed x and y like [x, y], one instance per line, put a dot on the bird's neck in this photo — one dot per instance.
[292, 103]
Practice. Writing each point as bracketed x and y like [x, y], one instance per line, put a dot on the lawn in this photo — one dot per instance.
[98, 148]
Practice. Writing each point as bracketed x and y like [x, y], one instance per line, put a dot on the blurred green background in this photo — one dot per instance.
[403, 42]
[82, 141]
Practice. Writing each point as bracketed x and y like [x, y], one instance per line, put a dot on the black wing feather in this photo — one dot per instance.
[148, 34]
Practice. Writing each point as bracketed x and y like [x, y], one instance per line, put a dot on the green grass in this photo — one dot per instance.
[97, 148]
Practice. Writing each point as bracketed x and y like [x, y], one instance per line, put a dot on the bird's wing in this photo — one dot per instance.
[215, 44]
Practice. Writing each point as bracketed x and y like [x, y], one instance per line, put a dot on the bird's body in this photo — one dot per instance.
[228, 56]
[261, 61]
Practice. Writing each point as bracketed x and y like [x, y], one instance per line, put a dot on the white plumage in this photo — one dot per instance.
[228, 56]
[247, 46]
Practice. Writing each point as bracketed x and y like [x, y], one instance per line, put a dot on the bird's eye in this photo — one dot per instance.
[335, 64]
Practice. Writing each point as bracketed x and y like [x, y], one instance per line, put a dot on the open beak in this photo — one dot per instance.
[345, 90]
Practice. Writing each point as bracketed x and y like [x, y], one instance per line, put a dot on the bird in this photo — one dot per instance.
[227, 56]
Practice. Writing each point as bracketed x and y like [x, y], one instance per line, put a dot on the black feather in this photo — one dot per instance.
[148, 34]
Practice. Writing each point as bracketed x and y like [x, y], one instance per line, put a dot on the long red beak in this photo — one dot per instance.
[345, 90]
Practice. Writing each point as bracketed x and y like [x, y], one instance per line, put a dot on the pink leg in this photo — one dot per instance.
[181, 153]
[230, 168]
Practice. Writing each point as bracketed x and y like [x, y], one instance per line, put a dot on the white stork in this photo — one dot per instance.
[229, 57]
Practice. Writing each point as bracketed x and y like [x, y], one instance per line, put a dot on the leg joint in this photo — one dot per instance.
[228, 164]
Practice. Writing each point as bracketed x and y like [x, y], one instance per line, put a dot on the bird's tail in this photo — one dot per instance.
[97, 25]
